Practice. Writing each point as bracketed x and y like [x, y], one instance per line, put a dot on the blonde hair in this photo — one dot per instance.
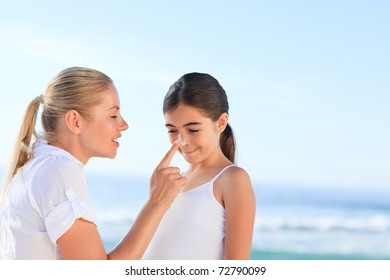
[74, 88]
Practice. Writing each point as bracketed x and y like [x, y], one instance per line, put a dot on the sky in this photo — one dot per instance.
[307, 81]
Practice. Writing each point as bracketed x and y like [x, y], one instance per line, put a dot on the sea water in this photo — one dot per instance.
[292, 222]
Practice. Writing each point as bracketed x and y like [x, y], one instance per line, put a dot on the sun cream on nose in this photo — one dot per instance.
[181, 141]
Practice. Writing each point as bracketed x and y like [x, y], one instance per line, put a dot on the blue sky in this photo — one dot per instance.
[308, 81]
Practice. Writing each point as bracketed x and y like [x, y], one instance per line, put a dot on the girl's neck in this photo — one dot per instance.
[212, 163]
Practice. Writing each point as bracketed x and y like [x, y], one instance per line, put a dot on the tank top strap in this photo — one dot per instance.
[220, 172]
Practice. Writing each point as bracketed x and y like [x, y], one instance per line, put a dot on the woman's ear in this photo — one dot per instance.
[73, 121]
[222, 122]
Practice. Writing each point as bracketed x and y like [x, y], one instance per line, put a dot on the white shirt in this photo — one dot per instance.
[44, 199]
[193, 228]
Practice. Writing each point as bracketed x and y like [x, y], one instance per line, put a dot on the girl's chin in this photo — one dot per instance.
[190, 160]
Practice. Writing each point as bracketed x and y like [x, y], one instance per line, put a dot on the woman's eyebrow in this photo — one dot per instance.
[114, 107]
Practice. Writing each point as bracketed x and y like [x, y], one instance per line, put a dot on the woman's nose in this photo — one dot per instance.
[124, 125]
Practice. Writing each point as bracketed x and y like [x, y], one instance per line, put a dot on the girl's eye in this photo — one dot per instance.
[114, 117]
[172, 131]
[193, 130]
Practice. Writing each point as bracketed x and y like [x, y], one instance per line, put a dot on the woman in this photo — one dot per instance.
[213, 215]
[45, 212]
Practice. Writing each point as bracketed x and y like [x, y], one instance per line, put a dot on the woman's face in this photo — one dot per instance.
[198, 135]
[100, 134]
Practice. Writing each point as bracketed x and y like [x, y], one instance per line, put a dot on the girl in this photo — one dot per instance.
[213, 215]
[44, 211]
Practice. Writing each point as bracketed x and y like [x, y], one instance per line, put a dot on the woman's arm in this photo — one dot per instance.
[240, 206]
[83, 241]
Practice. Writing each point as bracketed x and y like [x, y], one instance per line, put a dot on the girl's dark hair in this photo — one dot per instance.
[204, 92]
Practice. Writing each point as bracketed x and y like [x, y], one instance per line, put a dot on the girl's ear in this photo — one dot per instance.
[73, 121]
[222, 122]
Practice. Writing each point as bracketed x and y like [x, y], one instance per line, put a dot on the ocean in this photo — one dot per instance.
[292, 222]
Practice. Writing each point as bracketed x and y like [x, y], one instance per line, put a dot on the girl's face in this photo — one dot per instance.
[198, 135]
[99, 136]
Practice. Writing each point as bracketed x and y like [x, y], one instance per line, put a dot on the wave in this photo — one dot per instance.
[257, 254]
[372, 224]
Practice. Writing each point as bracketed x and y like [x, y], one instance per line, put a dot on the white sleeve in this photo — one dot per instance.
[59, 190]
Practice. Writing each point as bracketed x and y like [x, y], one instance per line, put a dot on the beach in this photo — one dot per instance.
[292, 222]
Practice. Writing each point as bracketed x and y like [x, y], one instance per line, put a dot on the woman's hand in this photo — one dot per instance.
[166, 180]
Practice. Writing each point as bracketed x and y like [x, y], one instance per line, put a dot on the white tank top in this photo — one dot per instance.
[193, 228]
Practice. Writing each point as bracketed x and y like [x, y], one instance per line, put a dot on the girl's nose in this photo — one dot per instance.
[182, 140]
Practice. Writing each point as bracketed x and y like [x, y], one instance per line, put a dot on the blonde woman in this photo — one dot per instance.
[44, 211]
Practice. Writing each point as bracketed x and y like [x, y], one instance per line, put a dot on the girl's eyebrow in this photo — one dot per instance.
[187, 124]
[191, 123]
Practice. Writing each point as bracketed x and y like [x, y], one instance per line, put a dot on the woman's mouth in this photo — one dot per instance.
[115, 140]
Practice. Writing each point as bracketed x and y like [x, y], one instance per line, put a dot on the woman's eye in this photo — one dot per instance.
[114, 117]
[172, 131]
[193, 130]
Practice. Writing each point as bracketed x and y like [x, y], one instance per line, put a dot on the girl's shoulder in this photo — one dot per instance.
[234, 172]
[233, 183]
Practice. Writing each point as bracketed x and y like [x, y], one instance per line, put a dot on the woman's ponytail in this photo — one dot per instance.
[23, 150]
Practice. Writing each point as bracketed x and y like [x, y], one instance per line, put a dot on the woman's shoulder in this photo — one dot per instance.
[53, 174]
[55, 156]
[56, 164]
[45, 171]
